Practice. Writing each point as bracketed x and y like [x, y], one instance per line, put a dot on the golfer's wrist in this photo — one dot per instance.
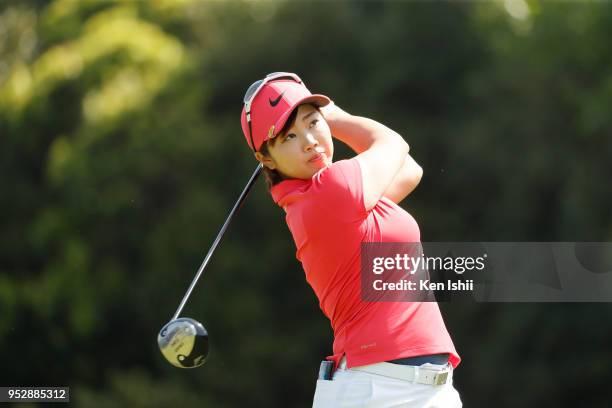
[333, 113]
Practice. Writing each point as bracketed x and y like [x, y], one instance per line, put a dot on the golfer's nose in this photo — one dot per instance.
[310, 142]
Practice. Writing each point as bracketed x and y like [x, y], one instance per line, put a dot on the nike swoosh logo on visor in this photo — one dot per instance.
[275, 102]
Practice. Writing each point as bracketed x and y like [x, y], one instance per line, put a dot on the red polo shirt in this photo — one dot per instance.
[328, 220]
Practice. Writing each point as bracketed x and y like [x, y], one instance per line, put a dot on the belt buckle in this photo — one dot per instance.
[440, 378]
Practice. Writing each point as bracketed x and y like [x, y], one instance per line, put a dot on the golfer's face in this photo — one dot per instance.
[306, 147]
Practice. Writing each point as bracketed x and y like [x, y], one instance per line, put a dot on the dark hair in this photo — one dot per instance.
[273, 177]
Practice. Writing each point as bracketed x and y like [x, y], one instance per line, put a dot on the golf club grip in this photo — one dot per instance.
[238, 204]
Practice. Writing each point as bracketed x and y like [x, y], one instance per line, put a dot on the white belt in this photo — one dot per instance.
[429, 374]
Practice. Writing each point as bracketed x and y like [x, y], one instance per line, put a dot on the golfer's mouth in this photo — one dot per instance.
[317, 158]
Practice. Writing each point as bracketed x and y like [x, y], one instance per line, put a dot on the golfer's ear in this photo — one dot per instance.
[265, 160]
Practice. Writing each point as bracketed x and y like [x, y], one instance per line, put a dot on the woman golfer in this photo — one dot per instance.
[386, 354]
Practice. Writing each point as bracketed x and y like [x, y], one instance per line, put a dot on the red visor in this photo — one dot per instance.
[271, 107]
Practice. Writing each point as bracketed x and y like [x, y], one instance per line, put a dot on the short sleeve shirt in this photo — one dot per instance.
[328, 221]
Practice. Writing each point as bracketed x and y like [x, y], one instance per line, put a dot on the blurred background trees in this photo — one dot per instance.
[121, 154]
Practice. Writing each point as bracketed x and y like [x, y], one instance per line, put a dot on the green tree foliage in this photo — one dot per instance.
[121, 154]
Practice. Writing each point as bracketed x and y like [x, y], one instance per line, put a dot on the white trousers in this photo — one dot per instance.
[351, 388]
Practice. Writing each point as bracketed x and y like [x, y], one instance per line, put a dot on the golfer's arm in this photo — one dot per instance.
[360, 134]
[405, 181]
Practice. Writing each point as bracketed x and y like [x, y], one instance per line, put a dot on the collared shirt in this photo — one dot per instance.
[328, 220]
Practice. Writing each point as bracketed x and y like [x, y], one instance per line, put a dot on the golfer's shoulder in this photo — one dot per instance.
[340, 186]
[341, 174]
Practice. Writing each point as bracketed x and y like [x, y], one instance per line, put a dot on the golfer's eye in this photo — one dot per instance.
[314, 122]
[289, 136]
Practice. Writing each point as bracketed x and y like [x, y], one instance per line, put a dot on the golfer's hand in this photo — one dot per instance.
[332, 113]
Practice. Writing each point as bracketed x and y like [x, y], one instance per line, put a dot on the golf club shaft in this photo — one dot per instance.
[243, 195]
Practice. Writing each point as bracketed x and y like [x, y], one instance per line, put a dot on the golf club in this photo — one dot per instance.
[184, 341]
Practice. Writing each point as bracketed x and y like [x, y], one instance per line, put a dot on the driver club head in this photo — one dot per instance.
[184, 342]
